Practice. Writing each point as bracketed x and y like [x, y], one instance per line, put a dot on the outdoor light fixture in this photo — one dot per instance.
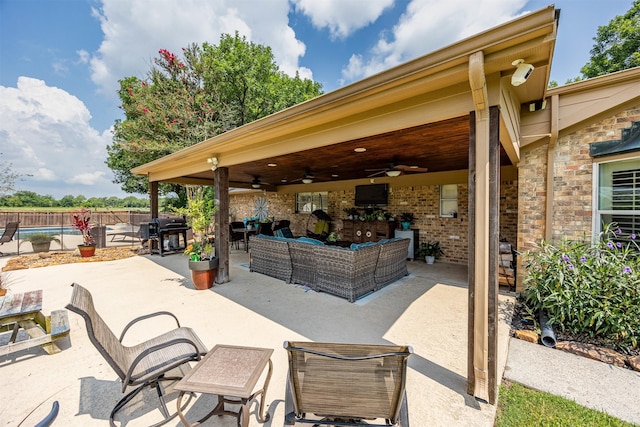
[214, 163]
[393, 172]
[523, 71]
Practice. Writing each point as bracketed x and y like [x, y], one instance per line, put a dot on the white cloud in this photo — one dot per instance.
[45, 134]
[83, 56]
[135, 31]
[426, 26]
[341, 17]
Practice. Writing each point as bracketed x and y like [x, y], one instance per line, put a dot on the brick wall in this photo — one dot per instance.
[572, 182]
[422, 201]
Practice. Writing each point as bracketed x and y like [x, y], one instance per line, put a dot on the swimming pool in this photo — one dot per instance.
[27, 231]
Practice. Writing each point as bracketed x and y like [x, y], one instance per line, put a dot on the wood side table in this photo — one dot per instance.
[231, 372]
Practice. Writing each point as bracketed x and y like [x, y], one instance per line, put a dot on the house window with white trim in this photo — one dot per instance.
[449, 200]
[618, 195]
[309, 202]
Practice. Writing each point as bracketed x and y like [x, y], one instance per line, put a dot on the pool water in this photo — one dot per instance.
[27, 231]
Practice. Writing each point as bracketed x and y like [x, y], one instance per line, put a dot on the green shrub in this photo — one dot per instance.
[591, 289]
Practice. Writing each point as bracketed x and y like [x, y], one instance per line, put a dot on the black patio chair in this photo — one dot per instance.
[9, 232]
[236, 236]
[142, 365]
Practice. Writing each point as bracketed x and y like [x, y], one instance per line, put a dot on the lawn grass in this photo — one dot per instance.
[521, 406]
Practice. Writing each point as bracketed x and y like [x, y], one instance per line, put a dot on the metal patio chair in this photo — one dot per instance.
[9, 232]
[142, 365]
[346, 384]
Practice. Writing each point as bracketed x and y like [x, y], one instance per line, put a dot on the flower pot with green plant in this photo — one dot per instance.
[352, 213]
[430, 251]
[199, 215]
[406, 218]
[82, 222]
[41, 242]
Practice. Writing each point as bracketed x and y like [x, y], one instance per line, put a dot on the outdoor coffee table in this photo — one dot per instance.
[231, 372]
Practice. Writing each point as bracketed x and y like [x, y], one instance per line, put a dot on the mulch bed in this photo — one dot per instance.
[521, 320]
[46, 259]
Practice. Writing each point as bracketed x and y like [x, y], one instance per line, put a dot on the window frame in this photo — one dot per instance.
[443, 199]
[598, 213]
[322, 197]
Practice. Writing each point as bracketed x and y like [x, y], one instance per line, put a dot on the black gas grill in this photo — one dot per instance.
[160, 232]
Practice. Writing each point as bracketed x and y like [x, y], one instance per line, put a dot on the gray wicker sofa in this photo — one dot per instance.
[348, 273]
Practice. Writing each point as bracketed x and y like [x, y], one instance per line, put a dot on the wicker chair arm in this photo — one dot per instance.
[147, 316]
[159, 347]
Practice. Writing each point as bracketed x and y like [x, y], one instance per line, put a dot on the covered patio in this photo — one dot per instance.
[456, 112]
[427, 310]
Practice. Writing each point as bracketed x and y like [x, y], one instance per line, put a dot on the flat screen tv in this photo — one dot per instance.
[371, 195]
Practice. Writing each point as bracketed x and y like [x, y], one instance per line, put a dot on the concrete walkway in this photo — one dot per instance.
[427, 310]
[590, 383]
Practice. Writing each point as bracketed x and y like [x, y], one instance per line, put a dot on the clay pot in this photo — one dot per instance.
[203, 273]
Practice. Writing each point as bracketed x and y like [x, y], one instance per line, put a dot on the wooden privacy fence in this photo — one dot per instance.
[64, 219]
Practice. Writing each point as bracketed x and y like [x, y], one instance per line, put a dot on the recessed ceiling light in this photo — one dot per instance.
[413, 167]
[283, 180]
[360, 150]
[334, 175]
[271, 165]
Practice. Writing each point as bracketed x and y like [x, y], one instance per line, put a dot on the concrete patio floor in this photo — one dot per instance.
[427, 310]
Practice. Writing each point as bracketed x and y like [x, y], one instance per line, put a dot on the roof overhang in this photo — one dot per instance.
[423, 104]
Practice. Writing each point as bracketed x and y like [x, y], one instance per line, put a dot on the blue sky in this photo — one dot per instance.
[60, 60]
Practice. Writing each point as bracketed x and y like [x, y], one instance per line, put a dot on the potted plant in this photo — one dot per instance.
[406, 218]
[82, 222]
[333, 237]
[199, 214]
[430, 251]
[4, 284]
[41, 242]
[352, 213]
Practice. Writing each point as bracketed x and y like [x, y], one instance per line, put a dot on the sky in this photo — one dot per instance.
[61, 60]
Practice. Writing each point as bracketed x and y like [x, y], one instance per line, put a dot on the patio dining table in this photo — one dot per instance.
[247, 232]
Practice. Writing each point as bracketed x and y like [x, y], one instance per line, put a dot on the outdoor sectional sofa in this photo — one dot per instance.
[346, 272]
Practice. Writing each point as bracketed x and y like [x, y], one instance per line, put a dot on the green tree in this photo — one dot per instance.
[617, 45]
[185, 101]
[8, 178]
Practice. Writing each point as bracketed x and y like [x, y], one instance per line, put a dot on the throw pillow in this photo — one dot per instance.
[310, 240]
[284, 232]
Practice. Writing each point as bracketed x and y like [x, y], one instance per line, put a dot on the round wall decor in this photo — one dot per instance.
[261, 208]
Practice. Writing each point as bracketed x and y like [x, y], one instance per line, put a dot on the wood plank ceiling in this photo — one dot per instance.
[440, 146]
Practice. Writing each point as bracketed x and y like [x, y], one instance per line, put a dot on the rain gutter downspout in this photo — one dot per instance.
[551, 148]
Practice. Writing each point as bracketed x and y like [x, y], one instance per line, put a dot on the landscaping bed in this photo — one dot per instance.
[47, 259]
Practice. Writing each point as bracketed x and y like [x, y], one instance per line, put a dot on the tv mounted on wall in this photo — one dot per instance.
[371, 195]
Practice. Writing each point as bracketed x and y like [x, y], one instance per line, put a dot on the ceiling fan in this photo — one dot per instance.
[307, 178]
[395, 170]
[257, 183]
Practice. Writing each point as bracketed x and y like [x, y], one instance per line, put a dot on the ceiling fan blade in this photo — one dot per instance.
[380, 172]
[406, 168]
[376, 170]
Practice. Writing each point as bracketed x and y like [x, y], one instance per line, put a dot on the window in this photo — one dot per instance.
[618, 195]
[309, 202]
[449, 200]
